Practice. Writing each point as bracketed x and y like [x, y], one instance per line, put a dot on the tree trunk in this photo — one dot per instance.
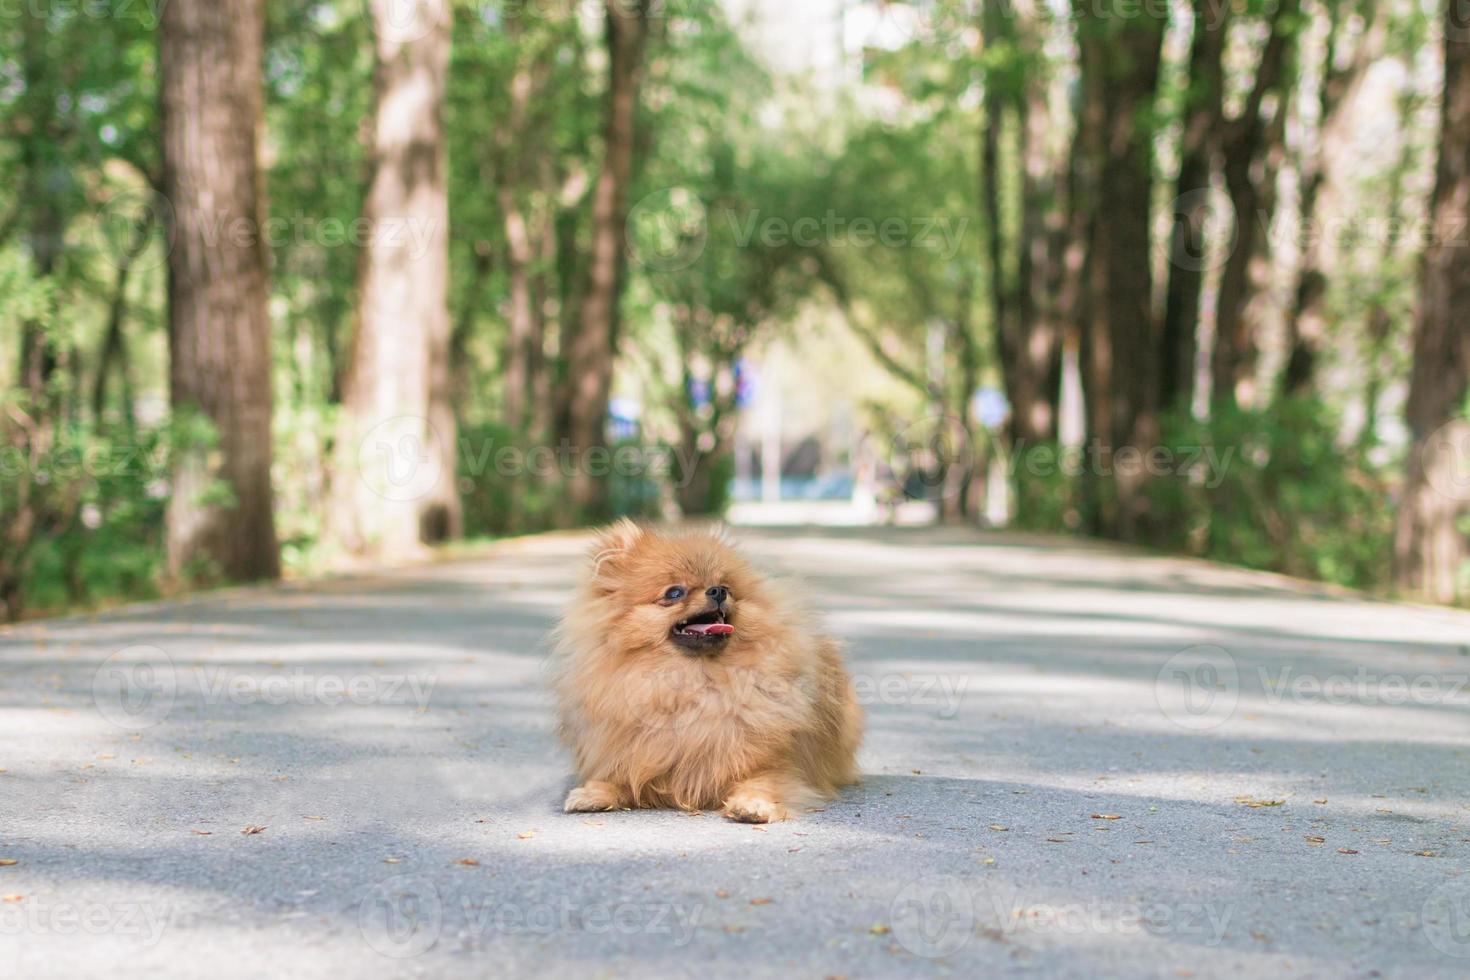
[395, 483]
[518, 258]
[1306, 320]
[512, 145]
[1252, 148]
[114, 355]
[1040, 273]
[1120, 70]
[219, 332]
[590, 355]
[1189, 247]
[538, 365]
[1430, 550]
[1026, 329]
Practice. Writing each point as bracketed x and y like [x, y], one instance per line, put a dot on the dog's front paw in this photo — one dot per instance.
[754, 808]
[594, 797]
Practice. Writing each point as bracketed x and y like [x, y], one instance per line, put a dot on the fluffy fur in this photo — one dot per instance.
[760, 723]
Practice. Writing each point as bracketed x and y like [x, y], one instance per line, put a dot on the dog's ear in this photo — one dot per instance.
[613, 544]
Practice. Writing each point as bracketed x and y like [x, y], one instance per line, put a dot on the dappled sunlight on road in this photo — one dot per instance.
[1216, 741]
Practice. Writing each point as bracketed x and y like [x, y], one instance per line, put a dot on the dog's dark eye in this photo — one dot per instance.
[674, 593]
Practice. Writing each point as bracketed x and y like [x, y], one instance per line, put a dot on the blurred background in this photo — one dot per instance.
[290, 286]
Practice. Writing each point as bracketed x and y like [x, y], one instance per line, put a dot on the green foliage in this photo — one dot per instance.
[116, 552]
[500, 497]
[97, 503]
[510, 485]
[1047, 494]
[1287, 496]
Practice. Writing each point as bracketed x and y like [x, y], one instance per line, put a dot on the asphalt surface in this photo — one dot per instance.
[1081, 762]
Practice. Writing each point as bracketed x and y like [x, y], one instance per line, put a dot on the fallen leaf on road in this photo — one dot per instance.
[988, 861]
[999, 826]
[1424, 854]
[1320, 801]
[392, 860]
[760, 901]
[1143, 842]
[202, 833]
[314, 818]
[1346, 850]
[879, 930]
[1255, 804]
[1106, 816]
[468, 862]
[1057, 840]
[1312, 839]
[526, 835]
[7, 862]
[253, 829]
[12, 898]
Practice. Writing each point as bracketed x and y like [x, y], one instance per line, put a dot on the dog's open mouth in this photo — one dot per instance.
[702, 631]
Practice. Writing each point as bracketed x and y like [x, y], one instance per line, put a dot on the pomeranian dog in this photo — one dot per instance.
[683, 678]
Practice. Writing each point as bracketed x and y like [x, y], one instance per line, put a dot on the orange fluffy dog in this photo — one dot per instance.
[683, 678]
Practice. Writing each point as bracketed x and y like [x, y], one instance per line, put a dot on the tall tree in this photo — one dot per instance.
[1028, 335]
[1341, 78]
[1430, 550]
[1120, 71]
[1253, 146]
[395, 484]
[1189, 247]
[591, 350]
[219, 332]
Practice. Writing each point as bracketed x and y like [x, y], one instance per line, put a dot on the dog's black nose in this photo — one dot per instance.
[717, 592]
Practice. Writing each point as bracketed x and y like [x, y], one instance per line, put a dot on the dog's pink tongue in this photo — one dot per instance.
[718, 629]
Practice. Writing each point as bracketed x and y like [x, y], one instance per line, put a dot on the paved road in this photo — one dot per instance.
[1081, 762]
